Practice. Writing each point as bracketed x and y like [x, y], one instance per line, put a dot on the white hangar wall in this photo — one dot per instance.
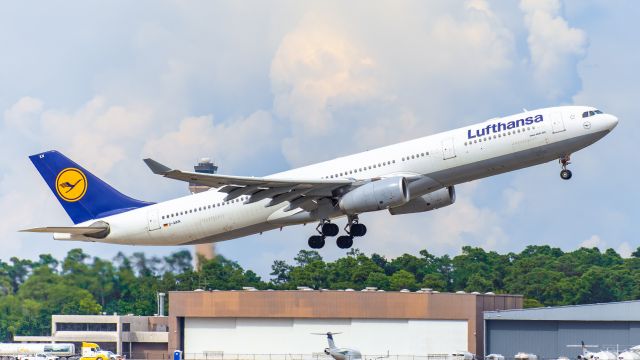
[293, 336]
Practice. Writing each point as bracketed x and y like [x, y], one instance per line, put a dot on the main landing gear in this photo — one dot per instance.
[326, 228]
[565, 174]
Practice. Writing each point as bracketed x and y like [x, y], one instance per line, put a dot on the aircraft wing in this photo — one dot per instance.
[296, 191]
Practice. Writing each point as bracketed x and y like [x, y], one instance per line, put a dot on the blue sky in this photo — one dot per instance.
[261, 87]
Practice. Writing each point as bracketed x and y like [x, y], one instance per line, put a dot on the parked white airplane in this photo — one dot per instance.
[409, 177]
[339, 353]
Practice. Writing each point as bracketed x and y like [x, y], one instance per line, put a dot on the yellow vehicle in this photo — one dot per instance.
[91, 351]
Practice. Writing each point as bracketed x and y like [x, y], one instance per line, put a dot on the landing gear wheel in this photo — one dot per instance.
[344, 242]
[329, 229]
[316, 242]
[565, 174]
[358, 229]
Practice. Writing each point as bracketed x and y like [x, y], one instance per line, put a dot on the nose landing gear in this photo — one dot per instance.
[565, 174]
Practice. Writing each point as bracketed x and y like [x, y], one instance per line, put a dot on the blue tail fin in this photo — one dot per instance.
[82, 195]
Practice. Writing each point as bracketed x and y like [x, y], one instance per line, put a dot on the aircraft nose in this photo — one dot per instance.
[612, 122]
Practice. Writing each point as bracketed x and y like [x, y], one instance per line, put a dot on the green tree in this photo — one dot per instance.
[306, 257]
[402, 279]
[378, 280]
[280, 271]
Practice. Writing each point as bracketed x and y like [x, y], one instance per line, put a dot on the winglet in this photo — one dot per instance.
[156, 167]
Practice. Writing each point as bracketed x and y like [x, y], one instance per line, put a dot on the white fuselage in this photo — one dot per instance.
[446, 159]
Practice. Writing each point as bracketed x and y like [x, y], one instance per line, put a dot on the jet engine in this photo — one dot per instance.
[427, 202]
[376, 195]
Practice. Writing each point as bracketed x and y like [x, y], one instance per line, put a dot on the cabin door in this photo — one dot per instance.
[448, 150]
[557, 123]
[153, 222]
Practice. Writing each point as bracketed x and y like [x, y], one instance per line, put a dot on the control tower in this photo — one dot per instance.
[204, 166]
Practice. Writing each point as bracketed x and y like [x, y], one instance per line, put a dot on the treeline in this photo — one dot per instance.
[31, 291]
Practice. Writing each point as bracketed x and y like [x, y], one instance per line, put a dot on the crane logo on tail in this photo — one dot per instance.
[71, 184]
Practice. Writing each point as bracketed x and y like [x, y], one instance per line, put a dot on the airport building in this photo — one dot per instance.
[215, 323]
[554, 331]
[136, 337]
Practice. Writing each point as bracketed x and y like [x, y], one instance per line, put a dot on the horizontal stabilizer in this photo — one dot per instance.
[97, 230]
[74, 230]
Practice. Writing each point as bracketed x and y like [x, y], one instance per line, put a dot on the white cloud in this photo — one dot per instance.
[334, 84]
[593, 241]
[625, 250]
[21, 115]
[317, 68]
[513, 199]
[555, 47]
[231, 142]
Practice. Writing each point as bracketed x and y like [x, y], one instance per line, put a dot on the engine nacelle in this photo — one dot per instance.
[376, 195]
[427, 202]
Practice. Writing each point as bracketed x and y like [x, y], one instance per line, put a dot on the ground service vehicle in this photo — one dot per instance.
[91, 351]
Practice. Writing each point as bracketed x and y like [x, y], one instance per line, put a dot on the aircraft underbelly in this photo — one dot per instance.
[513, 161]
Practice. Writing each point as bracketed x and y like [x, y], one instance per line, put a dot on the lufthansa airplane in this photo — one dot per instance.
[409, 177]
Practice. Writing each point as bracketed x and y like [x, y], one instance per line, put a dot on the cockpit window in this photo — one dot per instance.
[591, 113]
